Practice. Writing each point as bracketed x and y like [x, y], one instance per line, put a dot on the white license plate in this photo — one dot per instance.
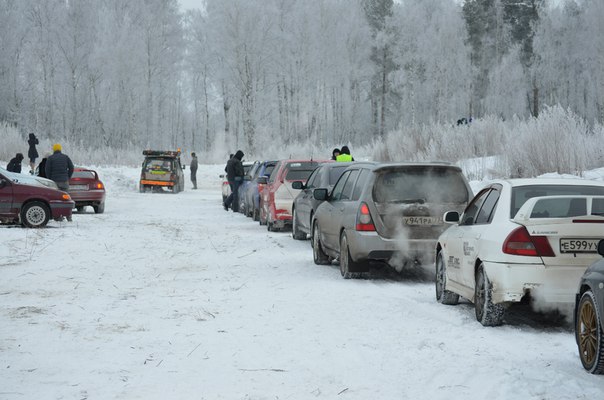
[579, 245]
[78, 187]
[422, 221]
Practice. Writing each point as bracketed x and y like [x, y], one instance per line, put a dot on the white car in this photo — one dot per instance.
[517, 238]
[29, 179]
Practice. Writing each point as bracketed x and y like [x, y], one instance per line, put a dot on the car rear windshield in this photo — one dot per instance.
[520, 194]
[158, 164]
[421, 185]
[269, 169]
[300, 171]
[83, 174]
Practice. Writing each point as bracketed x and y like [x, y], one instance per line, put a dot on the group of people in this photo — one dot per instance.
[57, 167]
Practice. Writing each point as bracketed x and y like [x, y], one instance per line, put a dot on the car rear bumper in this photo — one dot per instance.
[371, 246]
[156, 183]
[87, 197]
[61, 209]
[549, 284]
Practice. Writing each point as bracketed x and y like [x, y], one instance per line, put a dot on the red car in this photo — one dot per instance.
[31, 202]
[86, 189]
[277, 196]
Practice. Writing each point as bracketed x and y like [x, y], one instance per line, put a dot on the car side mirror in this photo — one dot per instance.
[320, 194]
[451, 217]
[601, 247]
[262, 180]
[297, 185]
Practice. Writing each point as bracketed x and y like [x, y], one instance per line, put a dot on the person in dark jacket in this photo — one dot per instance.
[42, 166]
[14, 165]
[59, 167]
[235, 174]
[32, 153]
[335, 153]
[194, 170]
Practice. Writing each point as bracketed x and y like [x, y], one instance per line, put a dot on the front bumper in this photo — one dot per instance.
[370, 246]
[61, 209]
[549, 284]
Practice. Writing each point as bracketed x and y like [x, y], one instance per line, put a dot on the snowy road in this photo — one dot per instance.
[170, 297]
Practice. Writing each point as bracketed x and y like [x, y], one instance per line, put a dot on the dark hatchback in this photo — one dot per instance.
[589, 320]
[32, 205]
[324, 176]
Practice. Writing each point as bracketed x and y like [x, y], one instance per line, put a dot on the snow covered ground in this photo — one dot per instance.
[170, 297]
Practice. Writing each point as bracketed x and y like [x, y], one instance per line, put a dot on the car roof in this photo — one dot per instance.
[548, 181]
[386, 166]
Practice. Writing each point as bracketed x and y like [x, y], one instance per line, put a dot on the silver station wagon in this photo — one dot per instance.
[387, 213]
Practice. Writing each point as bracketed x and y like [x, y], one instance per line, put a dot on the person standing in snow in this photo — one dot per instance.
[42, 166]
[344, 155]
[14, 165]
[32, 153]
[235, 174]
[59, 167]
[335, 153]
[194, 170]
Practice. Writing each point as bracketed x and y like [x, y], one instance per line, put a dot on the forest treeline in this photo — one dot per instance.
[263, 73]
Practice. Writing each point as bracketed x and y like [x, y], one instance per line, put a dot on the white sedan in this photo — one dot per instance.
[517, 238]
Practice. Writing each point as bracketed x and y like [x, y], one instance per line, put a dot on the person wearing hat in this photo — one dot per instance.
[335, 153]
[14, 165]
[59, 167]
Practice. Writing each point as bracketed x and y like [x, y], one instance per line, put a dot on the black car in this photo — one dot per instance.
[325, 176]
[589, 320]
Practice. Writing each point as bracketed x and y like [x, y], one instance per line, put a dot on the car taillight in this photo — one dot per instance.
[520, 243]
[364, 220]
[96, 185]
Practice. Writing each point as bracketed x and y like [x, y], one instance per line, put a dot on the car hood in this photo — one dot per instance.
[31, 180]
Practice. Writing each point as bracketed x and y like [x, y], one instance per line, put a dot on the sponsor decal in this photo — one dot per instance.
[467, 249]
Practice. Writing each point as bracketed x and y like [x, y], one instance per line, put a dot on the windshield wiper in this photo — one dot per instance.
[408, 201]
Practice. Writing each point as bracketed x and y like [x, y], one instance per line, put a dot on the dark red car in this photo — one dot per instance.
[86, 189]
[31, 201]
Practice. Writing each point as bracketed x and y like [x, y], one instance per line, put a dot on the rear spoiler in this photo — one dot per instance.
[561, 207]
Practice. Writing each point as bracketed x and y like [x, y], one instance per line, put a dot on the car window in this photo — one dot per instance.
[485, 215]
[361, 182]
[268, 170]
[246, 169]
[559, 208]
[597, 207]
[300, 171]
[469, 215]
[429, 184]
[520, 194]
[337, 190]
[83, 174]
[314, 177]
[273, 177]
[347, 191]
[335, 173]
[158, 164]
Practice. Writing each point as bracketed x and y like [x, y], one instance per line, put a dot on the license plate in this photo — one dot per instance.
[78, 187]
[579, 245]
[422, 221]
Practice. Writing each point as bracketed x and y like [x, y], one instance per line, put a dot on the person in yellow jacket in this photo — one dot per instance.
[344, 155]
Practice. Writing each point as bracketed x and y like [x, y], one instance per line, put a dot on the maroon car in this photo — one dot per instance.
[31, 202]
[86, 189]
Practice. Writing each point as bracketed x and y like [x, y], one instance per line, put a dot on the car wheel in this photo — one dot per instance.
[319, 256]
[590, 336]
[35, 214]
[296, 232]
[346, 262]
[487, 313]
[443, 295]
[100, 208]
[269, 223]
[80, 208]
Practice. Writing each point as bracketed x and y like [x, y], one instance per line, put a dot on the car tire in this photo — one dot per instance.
[80, 208]
[35, 214]
[297, 234]
[487, 312]
[100, 208]
[589, 334]
[443, 295]
[346, 262]
[318, 255]
[269, 223]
